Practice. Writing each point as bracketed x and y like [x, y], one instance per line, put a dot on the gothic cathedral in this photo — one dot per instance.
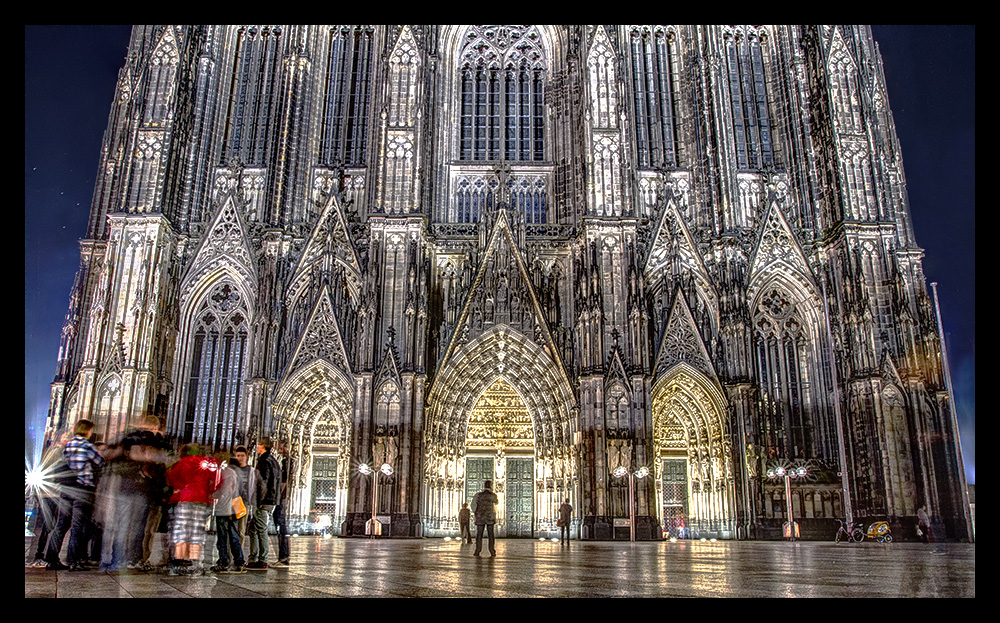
[641, 268]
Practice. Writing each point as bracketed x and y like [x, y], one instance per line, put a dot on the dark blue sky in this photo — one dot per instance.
[69, 79]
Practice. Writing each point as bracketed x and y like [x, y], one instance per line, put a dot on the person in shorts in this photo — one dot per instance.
[193, 478]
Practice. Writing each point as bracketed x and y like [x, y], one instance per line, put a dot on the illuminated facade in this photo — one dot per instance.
[529, 254]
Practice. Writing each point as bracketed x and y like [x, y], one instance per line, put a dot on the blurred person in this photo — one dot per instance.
[924, 525]
[131, 488]
[76, 501]
[248, 479]
[150, 448]
[193, 480]
[157, 518]
[227, 540]
[95, 532]
[268, 490]
[57, 475]
[484, 507]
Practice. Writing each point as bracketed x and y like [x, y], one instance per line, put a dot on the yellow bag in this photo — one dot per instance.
[239, 508]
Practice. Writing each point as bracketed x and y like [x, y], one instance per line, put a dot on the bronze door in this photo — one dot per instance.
[477, 471]
[519, 511]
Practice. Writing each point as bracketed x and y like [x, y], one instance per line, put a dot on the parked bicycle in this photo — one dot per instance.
[849, 532]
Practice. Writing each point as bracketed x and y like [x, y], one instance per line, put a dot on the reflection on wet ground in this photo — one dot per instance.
[335, 567]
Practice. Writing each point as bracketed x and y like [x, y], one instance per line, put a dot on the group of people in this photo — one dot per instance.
[484, 510]
[115, 501]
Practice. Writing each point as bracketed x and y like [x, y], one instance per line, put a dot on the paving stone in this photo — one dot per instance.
[412, 568]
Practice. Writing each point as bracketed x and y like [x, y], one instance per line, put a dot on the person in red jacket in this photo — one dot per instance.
[194, 478]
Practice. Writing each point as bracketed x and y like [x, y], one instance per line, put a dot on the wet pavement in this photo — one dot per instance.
[335, 567]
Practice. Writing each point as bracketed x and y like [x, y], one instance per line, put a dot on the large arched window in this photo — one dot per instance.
[502, 95]
[215, 372]
[782, 356]
[744, 48]
[345, 106]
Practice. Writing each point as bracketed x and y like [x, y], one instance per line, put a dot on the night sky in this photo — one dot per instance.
[69, 83]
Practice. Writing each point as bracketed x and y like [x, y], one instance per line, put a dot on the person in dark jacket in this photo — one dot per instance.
[268, 490]
[484, 508]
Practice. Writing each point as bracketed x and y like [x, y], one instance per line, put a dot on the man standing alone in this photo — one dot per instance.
[565, 516]
[484, 506]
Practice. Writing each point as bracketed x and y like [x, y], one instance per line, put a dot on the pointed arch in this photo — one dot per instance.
[502, 76]
[159, 86]
[348, 67]
[673, 260]
[653, 56]
[901, 494]
[695, 485]
[329, 250]
[602, 78]
[746, 55]
[312, 409]
[249, 120]
[845, 90]
[224, 250]
[540, 383]
[787, 320]
[109, 412]
[212, 358]
[404, 71]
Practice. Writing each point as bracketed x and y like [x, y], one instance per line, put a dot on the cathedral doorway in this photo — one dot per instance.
[312, 410]
[499, 410]
[695, 486]
[500, 448]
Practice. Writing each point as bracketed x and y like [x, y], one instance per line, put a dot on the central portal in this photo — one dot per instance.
[500, 447]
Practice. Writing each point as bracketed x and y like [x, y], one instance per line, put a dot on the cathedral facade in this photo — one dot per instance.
[641, 268]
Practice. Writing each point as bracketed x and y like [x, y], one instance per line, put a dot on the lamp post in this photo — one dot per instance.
[788, 474]
[374, 527]
[623, 472]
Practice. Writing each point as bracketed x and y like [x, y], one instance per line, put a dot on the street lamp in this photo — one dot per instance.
[788, 474]
[622, 472]
[374, 526]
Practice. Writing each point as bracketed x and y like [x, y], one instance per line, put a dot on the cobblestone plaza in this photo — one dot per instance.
[337, 567]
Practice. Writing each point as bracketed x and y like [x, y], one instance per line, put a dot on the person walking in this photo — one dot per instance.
[268, 490]
[565, 515]
[924, 525]
[76, 501]
[464, 516]
[122, 503]
[484, 506]
[47, 497]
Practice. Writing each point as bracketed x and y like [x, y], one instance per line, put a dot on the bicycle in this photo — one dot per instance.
[849, 533]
